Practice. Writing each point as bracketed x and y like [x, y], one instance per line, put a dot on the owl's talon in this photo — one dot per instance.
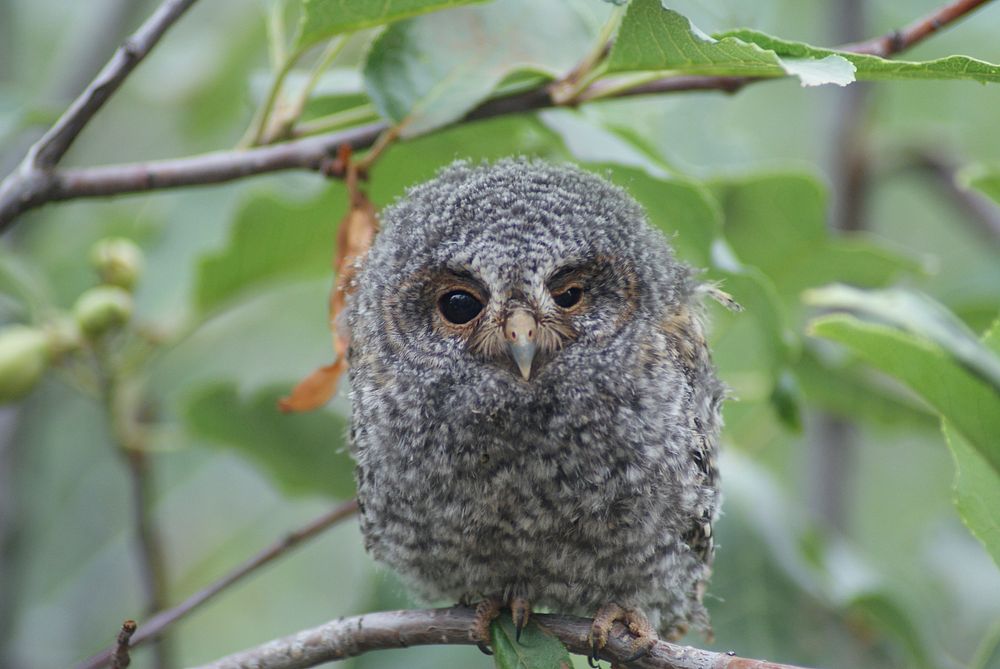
[486, 612]
[520, 611]
[592, 660]
[634, 621]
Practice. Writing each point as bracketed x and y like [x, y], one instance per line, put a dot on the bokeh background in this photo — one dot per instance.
[839, 545]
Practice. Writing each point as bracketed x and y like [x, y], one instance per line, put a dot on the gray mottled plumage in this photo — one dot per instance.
[592, 482]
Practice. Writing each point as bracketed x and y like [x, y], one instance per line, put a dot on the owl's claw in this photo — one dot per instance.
[486, 612]
[633, 619]
[520, 611]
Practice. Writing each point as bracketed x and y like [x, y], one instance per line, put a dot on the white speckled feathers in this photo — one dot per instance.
[593, 481]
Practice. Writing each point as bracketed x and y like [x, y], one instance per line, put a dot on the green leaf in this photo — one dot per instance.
[873, 67]
[970, 404]
[977, 490]
[406, 164]
[654, 38]
[431, 70]
[272, 238]
[537, 649]
[305, 454]
[322, 19]
[983, 179]
[777, 223]
[920, 315]
[852, 390]
[933, 365]
[786, 398]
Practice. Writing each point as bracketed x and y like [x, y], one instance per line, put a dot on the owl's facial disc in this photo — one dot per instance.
[519, 330]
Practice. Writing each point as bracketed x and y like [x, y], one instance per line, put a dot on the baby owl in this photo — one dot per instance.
[535, 411]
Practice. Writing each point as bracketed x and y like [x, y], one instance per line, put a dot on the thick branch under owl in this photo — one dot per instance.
[350, 637]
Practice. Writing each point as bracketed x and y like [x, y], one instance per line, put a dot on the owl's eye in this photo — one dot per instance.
[459, 307]
[568, 297]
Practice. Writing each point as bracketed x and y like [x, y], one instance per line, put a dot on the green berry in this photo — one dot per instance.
[24, 355]
[118, 261]
[102, 309]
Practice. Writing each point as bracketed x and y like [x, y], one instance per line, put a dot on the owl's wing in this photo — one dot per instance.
[686, 340]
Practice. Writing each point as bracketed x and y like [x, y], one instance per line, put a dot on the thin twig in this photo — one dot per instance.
[120, 658]
[54, 143]
[22, 190]
[157, 624]
[980, 211]
[904, 38]
[129, 442]
[349, 637]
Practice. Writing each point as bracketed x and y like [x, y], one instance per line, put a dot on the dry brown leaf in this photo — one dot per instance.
[316, 389]
[354, 238]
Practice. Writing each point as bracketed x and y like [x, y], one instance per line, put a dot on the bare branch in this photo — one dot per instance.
[54, 143]
[919, 30]
[24, 191]
[122, 414]
[349, 637]
[156, 625]
[29, 188]
[981, 212]
[121, 659]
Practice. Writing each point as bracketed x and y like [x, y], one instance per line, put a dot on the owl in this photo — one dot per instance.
[535, 413]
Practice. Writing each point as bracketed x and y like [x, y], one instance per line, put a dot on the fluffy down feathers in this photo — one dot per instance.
[594, 481]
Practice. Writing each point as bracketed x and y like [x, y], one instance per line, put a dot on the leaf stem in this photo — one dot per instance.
[276, 35]
[339, 119]
[569, 87]
[330, 53]
[258, 127]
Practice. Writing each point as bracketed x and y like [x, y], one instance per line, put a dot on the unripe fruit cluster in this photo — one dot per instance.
[26, 351]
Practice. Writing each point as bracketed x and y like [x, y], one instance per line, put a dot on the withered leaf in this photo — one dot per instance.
[354, 238]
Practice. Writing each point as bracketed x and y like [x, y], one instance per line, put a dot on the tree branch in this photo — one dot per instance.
[35, 180]
[53, 145]
[156, 625]
[121, 412]
[349, 637]
[120, 658]
[981, 212]
[28, 188]
[900, 40]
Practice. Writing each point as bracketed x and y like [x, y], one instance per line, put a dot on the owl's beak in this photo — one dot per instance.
[520, 331]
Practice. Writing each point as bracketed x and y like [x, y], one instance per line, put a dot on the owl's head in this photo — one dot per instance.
[511, 268]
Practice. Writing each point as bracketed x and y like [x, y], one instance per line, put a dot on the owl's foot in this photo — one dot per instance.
[633, 619]
[520, 612]
[488, 610]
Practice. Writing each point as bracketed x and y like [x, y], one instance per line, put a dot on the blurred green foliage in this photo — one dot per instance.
[230, 311]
